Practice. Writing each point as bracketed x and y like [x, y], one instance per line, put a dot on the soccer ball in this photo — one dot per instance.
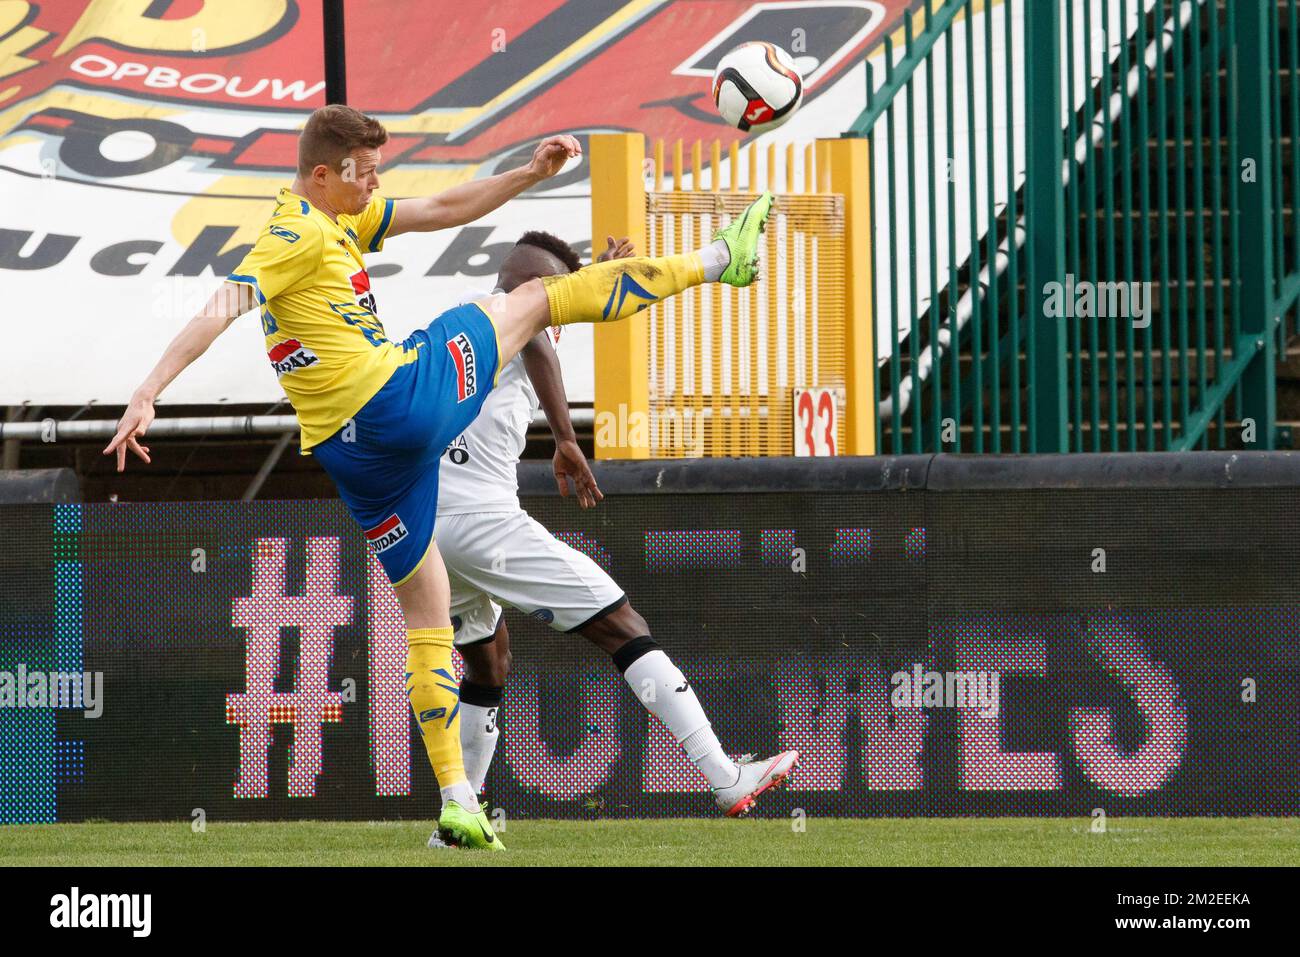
[756, 87]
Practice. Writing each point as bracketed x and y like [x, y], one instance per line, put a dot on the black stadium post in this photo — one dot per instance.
[336, 72]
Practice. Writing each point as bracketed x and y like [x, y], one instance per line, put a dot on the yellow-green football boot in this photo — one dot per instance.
[742, 237]
[458, 827]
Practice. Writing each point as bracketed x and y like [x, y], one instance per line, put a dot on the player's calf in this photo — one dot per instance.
[487, 663]
[666, 693]
[434, 695]
[605, 292]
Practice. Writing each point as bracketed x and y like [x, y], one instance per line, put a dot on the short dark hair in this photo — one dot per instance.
[332, 133]
[554, 245]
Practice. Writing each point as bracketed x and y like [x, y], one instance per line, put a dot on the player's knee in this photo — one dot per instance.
[478, 669]
[615, 631]
[492, 662]
[628, 624]
[499, 669]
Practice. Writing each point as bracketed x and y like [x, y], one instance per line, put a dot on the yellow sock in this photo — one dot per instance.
[434, 693]
[603, 292]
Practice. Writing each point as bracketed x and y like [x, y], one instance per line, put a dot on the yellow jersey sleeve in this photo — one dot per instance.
[370, 226]
[285, 257]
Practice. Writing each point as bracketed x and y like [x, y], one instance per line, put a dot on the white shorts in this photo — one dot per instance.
[507, 558]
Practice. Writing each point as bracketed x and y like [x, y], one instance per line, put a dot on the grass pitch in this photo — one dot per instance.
[1062, 842]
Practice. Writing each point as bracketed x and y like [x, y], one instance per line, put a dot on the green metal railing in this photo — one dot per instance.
[1090, 248]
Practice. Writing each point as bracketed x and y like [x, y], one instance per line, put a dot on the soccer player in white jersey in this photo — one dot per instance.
[497, 554]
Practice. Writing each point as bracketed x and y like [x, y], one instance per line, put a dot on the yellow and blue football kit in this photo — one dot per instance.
[377, 414]
[318, 314]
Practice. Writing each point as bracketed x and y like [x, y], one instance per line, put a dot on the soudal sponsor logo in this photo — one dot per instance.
[386, 534]
[462, 355]
[361, 288]
[289, 356]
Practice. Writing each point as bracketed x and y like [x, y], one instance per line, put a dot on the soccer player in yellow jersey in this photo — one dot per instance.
[378, 414]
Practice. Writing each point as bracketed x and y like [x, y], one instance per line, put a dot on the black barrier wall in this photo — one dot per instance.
[937, 635]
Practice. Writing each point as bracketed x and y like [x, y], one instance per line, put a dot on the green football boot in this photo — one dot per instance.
[460, 828]
[742, 238]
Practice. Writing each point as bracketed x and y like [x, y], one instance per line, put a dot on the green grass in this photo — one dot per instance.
[826, 841]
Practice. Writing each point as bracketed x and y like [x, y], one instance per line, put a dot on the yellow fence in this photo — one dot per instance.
[715, 371]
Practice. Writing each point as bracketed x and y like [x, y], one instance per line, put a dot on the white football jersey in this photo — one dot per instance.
[477, 471]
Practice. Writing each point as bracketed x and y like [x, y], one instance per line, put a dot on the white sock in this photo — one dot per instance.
[463, 795]
[478, 741]
[715, 258]
[666, 694]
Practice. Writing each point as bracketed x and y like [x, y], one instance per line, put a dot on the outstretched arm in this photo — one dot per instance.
[470, 201]
[543, 368]
[228, 303]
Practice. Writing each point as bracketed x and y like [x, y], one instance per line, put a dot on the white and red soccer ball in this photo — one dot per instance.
[756, 87]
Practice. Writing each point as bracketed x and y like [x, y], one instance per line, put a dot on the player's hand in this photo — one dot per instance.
[130, 429]
[552, 153]
[571, 466]
[623, 249]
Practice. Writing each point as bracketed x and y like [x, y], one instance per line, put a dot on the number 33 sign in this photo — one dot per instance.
[816, 422]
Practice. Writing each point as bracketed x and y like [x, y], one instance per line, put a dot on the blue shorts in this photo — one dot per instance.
[385, 462]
